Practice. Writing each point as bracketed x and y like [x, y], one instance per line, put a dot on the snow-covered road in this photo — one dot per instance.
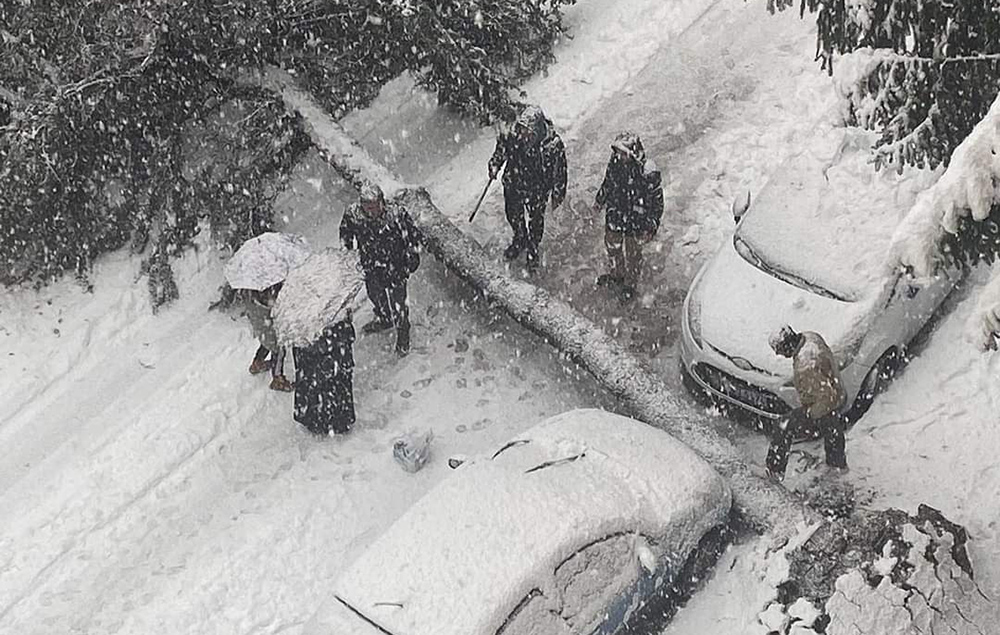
[149, 484]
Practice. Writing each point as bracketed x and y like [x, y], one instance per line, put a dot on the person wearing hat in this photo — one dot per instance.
[386, 240]
[817, 381]
[535, 160]
[632, 198]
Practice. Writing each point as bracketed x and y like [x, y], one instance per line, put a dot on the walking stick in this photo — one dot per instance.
[481, 197]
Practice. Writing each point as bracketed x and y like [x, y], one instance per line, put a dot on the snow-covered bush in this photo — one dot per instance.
[931, 69]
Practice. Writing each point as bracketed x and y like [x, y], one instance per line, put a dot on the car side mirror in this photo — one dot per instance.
[740, 207]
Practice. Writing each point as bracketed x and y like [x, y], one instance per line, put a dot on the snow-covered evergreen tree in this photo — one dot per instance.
[97, 99]
[929, 69]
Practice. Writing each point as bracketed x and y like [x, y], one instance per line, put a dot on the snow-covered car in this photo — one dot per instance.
[810, 252]
[565, 530]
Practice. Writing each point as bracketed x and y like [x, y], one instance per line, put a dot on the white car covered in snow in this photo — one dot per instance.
[810, 252]
[565, 530]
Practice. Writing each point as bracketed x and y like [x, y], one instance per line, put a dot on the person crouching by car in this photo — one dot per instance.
[632, 197]
[324, 380]
[821, 394]
[270, 355]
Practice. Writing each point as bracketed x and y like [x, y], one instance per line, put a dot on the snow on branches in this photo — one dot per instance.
[929, 69]
[968, 190]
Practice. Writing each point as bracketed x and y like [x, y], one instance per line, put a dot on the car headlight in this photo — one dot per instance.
[694, 319]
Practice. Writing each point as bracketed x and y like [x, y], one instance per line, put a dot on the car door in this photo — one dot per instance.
[591, 591]
[910, 305]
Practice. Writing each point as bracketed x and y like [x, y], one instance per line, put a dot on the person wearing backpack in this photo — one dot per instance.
[632, 198]
[533, 158]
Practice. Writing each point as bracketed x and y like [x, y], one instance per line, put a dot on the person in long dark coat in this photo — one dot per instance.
[324, 380]
[386, 241]
[535, 160]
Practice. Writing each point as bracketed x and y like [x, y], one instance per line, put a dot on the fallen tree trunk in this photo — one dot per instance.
[762, 504]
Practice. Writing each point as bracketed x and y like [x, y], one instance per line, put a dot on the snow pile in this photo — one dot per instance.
[970, 186]
[882, 573]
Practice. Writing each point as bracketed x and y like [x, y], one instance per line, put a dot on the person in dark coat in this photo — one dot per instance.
[324, 380]
[632, 197]
[535, 160]
[386, 239]
[822, 396]
[269, 353]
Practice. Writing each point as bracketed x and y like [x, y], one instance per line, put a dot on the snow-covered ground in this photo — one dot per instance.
[148, 483]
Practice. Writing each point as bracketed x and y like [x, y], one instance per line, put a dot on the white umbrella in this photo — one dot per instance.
[316, 294]
[265, 260]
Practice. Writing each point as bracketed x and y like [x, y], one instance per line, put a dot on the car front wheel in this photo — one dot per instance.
[875, 382]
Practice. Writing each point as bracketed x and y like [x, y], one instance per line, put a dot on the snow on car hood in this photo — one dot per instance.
[460, 559]
[741, 306]
[829, 217]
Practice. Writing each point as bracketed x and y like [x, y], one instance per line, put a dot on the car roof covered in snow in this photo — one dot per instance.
[459, 560]
[828, 217]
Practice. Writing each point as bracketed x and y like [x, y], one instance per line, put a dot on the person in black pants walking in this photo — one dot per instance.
[386, 239]
[535, 160]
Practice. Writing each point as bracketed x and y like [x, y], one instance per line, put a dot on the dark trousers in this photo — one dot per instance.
[278, 359]
[388, 298]
[783, 432]
[517, 206]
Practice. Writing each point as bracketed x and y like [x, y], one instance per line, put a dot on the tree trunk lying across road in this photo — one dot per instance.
[762, 504]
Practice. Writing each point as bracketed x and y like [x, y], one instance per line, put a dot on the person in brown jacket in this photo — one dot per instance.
[258, 310]
[821, 393]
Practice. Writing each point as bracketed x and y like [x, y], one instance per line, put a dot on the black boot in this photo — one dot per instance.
[403, 341]
[513, 250]
[376, 326]
[533, 261]
[607, 280]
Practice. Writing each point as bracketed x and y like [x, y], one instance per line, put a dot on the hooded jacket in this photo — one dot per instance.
[816, 377]
[387, 245]
[536, 166]
[632, 193]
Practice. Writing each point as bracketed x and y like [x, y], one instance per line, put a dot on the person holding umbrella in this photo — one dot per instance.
[258, 309]
[313, 315]
[386, 240]
[257, 270]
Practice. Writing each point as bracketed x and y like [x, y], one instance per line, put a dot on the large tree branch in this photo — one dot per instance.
[761, 503]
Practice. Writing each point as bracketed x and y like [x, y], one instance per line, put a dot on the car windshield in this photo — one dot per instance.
[748, 253]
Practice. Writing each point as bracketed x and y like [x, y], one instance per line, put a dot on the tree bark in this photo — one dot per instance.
[761, 504]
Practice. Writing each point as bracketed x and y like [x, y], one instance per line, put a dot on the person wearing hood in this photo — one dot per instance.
[821, 394]
[386, 240]
[632, 198]
[270, 355]
[535, 160]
